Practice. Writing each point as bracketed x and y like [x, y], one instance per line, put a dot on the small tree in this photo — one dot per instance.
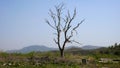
[62, 26]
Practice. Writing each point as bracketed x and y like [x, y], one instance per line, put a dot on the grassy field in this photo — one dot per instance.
[52, 60]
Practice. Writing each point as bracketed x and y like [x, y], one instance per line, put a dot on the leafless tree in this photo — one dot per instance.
[61, 23]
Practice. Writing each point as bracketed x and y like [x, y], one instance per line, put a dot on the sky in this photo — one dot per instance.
[22, 22]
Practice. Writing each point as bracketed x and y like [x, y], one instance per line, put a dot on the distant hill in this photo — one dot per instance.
[73, 48]
[85, 47]
[90, 47]
[42, 48]
[35, 48]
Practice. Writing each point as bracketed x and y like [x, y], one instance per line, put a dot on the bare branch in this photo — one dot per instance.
[53, 16]
[74, 14]
[70, 35]
[74, 29]
[68, 23]
[69, 15]
[76, 42]
[50, 24]
[71, 19]
[55, 41]
[66, 20]
[60, 6]
[78, 24]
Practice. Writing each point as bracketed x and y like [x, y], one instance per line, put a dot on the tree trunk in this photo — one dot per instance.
[62, 53]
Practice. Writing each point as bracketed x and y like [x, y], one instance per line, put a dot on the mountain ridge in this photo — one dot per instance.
[90, 47]
[31, 48]
[43, 48]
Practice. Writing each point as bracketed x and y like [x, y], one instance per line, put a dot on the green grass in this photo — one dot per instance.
[52, 60]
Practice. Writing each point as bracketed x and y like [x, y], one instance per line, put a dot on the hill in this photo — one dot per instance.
[31, 48]
[89, 47]
[43, 48]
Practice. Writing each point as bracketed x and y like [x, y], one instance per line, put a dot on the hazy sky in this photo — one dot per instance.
[22, 22]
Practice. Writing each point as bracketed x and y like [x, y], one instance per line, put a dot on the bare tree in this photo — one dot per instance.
[62, 25]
